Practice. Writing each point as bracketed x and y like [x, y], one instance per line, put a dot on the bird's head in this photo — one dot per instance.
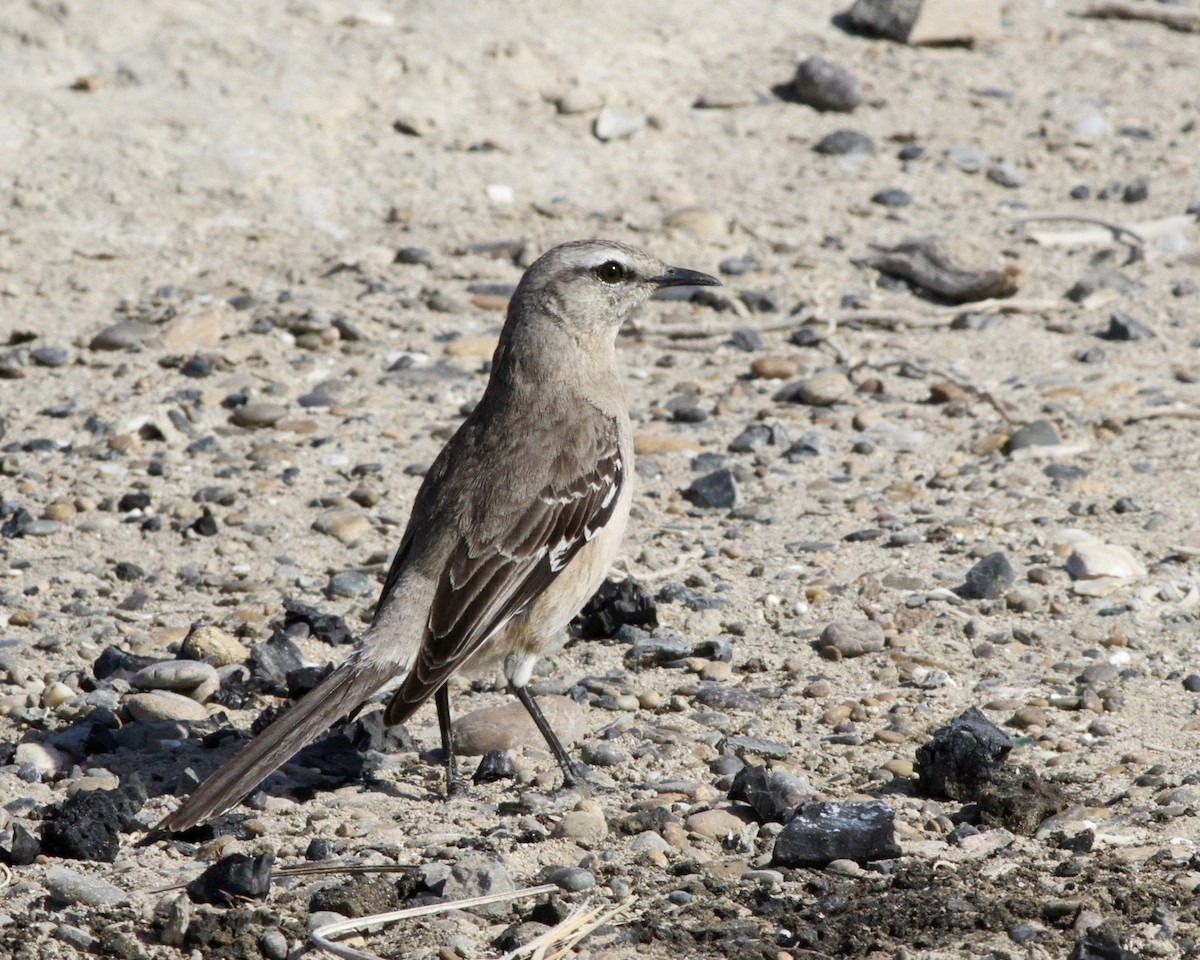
[593, 286]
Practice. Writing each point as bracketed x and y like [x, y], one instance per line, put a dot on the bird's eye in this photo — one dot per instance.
[610, 272]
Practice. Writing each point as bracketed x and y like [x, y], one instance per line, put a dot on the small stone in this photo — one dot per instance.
[274, 945]
[509, 726]
[570, 879]
[70, 886]
[47, 760]
[822, 832]
[49, 356]
[851, 638]
[773, 368]
[650, 849]
[1123, 327]
[1038, 433]
[716, 490]
[124, 335]
[827, 86]
[844, 143]
[743, 746]
[233, 879]
[193, 678]
[1090, 560]
[773, 794]
[213, 645]
[614, 124]
[892, 197]
[719, 823]
[195, 331]
[700, 222]
[967, 159]
[1006, 174]
[351, 583]
[667, 650]
[477, 875]
[1136, 190]
[584, 825]
[345, 526]
[495, 765]
[989, 578]
[824, 389]
[258, 413]
[164, 705]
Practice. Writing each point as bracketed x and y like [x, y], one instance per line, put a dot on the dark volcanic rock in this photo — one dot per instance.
[962, 756]
[773, 794]
[822, 832]
[613, 606]
[1018, 800]
[717, 489]
[989, 578]
[87, 826]
[233, 879]
[328, 627]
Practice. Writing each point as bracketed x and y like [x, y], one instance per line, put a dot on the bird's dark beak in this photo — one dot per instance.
[679, 277]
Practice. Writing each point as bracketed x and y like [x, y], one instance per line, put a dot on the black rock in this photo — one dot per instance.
[989, 578]
[962, 756]
[1099, 946]
[752, 439]
[1123, 327]
[746, 339]
[773, 794]
[821, 832]
[842, 142]
[1136, 190]
[614, 605]
[115, 662]
[128, 572]
[336, 757]
[827, 86]
[718, 489]
[16, 524]
[21, 847]
[495, 765]
[1191, 683]
[233, 879]
[758, 301]
[714, 648]
[1038, 433]
[318, 849]
[206, 526]
[87, 826]
[133, 501]
[328, 627]
[303, 679]
[273, 660]
[692, 599]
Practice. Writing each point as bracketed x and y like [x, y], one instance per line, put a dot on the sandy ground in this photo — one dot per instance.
[241, 176]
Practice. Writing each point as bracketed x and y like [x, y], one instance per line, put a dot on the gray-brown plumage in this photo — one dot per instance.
[513, 528]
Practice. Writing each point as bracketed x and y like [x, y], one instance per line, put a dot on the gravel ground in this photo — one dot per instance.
[253, 262]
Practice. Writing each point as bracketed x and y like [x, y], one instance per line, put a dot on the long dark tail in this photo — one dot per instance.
[339, 693]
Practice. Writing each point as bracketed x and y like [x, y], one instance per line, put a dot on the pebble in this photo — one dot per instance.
[742, 746]
[345, 526]
[614, 124]
[989, 578]
[585, 825]
[719, 823]
[233, 879]
[570, 879]
[716, 490]
[476, 875]
[1006, 174]
[70, 886]
[967, 159]
[509, 726]
[211, 644]
[773, 794]
[892, 197]
[164, 705]
[961, 756]
[824, 389]
[1039, 433]
[351, 583]
[123, 335]
[851, 638]
[827, 86]
[49, 356]
[773, 368]
[845, 143]
[193, 678]
[1123, 327]
[1090, 560]
[258, 413]
[650, 849]
[47, 760]
[274, 945]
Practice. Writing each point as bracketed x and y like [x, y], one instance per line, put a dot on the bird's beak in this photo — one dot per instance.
[679, 277]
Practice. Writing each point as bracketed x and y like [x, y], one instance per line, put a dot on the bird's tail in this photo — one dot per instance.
[338, 694]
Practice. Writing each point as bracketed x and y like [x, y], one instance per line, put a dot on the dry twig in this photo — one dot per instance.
[1182, 21]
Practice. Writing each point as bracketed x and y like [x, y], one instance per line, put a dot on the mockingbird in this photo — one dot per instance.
[513, 528]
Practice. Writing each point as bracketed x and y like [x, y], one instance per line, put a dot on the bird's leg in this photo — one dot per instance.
[574, 773]
[454, 786]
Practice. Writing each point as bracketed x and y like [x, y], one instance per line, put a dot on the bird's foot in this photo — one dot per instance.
[583, 778]
[456, 787]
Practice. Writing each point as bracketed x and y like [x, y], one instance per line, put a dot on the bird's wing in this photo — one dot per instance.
[494, 576]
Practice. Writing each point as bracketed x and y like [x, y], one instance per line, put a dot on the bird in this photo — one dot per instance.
[512, 530]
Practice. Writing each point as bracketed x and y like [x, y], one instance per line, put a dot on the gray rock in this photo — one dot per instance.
[892, 197]
[989, 578]
[825, 388]
[124, 335]
[827, 86]
[751, 440]
[821, 832]
[477, 875]
[351, 583]
[49, 356]
[69, 886]
[718, 490]
[164, 705]
[258, 413]
[721, 696]
[1006, 174]
[185, 676]
[742, 746]
[668, 650]
[1039, 433]
[42, 528]
[893, 19]
[773, 794]
[844, 143]
[967, 159]
[571, 879]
